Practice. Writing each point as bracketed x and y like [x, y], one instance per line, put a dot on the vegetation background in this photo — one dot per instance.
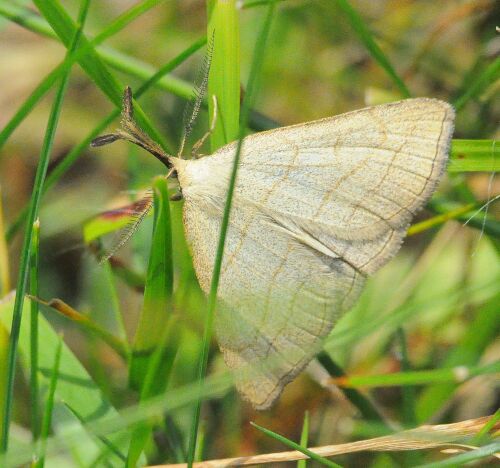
[433, 308]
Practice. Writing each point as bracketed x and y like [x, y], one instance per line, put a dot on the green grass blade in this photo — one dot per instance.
[343, 337]
[295, 446]
[224, 78]
[467, 210]
[29, 104]
[49, 405]
[26, 248]
[157, 307]
[76, 388]
[115, 59]
[106, 442]
[479, 334]
[408, 391]
[257, 3]
[483, 434]
[467, 457]
[78, 150]
[115, 313]
[26, 18]
[34, 387]
[474, 155]
[155, 344]
[212, 297]
[118, 345]
[114, 27]
[4, 289]
[364, 405]
[151, 80]
[476, 218]
[89, 59]
[453, 375]
[99, 423]
[64, 27]
[408, 394]
[124, 63]
[366, 37]
[4, 254]
[304, 438]
[480, 83]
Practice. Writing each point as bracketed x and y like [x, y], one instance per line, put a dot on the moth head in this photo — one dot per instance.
[203, 178]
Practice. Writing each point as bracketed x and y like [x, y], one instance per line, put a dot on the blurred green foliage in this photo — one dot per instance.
[322, 58]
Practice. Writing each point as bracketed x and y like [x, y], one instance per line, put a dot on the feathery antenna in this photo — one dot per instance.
[140, 211]
[130, 131]
[192, 109]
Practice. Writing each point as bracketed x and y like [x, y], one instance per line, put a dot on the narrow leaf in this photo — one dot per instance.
[295, 446]
[366, 37]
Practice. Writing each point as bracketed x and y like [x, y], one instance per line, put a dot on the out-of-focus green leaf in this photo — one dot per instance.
[479, 83]
[366, 37]
[224, 78]
[75, 386]
[454, 376]
[467, 352]
[157, 306]
[64, 27]
[474, 155]
[155, 343]
[49, 405]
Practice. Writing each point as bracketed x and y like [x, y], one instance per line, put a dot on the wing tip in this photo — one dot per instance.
[441, 159]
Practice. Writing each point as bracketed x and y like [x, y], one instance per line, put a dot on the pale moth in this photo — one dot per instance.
[317, 208]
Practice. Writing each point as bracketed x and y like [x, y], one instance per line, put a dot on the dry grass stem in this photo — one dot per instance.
[444, 436]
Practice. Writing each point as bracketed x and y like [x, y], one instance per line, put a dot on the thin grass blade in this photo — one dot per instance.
[157, 307]
[480, 333]
[467, 457]
[155, 345]
[49, 405]
[117, 344]
[106, 442]
[34, 386]
[364, 405]
[77, 150]
[480, 83]
[4, 254]
[76, 387]
[212, 298]
[89, 59]
[224, 79]
[26, 248]
[474, 155]
[366, 37]
[304, 438]
[295, 446]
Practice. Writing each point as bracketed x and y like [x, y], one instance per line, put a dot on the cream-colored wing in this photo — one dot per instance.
[278, 298]
[317, 207]
[359, 176]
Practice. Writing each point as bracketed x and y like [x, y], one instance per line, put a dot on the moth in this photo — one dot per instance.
[317, 208]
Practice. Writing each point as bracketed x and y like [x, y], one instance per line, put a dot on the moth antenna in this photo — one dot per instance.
[199, 143]
[171, 173]
[130, 131]
[142, 208]
[192, 109]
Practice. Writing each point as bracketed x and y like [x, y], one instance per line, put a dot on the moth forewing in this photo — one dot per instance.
[317, 207]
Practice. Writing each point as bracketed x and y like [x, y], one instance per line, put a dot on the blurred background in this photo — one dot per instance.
[438, 287]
